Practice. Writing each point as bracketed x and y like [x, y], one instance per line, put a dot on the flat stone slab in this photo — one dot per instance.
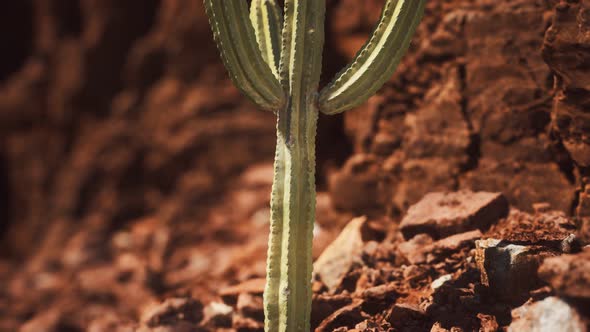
[421, 248]
[442, 214]
[340, 255]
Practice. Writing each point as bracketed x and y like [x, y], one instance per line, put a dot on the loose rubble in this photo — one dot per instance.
[479, 279]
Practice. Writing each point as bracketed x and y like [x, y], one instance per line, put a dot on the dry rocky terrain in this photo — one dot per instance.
[135, 180]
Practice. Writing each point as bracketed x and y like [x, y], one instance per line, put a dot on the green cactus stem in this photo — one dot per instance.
[267, 19]
[275, 58]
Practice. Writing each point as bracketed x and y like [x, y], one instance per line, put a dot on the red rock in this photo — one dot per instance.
[176, 327]
[355, 186]
[217, 314]
[245, 324]
[401, 313]
[173, 311]
[566, 50]
[488, 323]
[509, 270]
[259, 175]
[252, 286]
[347, 316]
[569, 275]
[325, 305]
[421, 248]
[457, 241]
[386, 293]
[46, 321]
[443, 214]
[437, 327]
[420, 176]
[441, 281]
[371, 325]
[250, 306]
[416, 249]
[523, 183]
[583, 210]
[548, 228]
[340, 255]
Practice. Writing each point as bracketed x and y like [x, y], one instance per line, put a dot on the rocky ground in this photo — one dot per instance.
[134, 179]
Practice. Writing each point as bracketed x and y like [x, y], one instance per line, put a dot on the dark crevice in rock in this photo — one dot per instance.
[69, 17]
[367, 141]
[333, 61]
[86, 192]
[5, 203]
[576, 201]
[562, 158]
[132, 183]
[105, 61]
[576, 209]
[64, 327]
[333, 146]
[565, 53]
[474, 149]
[152, 68]
[16, 35]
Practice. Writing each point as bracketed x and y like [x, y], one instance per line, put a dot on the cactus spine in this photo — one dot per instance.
[275, 59]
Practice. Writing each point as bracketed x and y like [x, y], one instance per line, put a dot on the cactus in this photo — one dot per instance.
[275, 57]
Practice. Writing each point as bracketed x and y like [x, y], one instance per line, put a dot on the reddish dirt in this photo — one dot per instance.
[134, 179]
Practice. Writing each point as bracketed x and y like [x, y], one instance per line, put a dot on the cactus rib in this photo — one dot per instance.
[236, 41]
[377, 60]
[267, 19]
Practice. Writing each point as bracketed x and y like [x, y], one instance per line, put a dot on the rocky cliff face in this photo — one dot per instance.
[566, 51]
[491, 97]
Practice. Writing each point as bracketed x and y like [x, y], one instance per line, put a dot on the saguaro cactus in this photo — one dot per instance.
[274, 57]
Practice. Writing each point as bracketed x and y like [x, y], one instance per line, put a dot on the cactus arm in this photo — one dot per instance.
[267, 20]
[239, 50]
[287, 297]
[377, 60]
